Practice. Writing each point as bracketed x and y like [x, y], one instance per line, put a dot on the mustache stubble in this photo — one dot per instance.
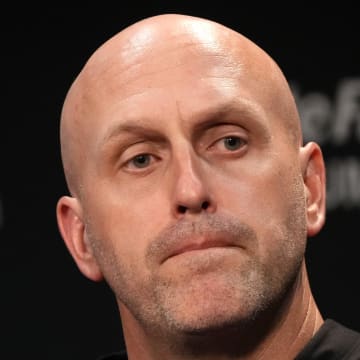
[223, 226]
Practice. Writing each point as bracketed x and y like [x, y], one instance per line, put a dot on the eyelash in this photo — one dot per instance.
[241, 142]
[131, 162]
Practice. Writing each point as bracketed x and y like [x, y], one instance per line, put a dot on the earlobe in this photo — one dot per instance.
[313, 171]
[72, 229]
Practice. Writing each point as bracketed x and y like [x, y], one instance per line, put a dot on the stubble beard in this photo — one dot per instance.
[205, 303]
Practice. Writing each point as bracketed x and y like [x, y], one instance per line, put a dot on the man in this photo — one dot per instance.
[193, 195]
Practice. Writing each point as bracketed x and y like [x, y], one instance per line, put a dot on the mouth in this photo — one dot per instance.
[200, 244]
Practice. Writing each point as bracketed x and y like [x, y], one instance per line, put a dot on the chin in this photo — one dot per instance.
[211, 323]
[209, 306]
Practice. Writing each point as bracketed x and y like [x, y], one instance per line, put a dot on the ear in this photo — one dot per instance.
[313, 172]
[72, 229]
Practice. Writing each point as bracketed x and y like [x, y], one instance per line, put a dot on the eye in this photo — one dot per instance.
[140, 161]
[233, 143]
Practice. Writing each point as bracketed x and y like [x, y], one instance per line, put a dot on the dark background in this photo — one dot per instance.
[51, 311]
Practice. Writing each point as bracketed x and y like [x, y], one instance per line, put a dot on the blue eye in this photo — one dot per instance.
[141, 161]
[232, 142]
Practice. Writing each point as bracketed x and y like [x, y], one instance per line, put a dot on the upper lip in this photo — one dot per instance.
[200, 243]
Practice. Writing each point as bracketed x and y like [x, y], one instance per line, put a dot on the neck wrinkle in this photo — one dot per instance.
[301, 322]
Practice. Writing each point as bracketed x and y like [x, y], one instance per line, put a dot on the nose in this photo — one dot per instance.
[191, 193]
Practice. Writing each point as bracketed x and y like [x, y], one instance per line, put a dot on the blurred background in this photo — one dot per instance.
[50, 310]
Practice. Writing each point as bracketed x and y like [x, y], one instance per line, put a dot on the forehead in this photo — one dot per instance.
[140, 64]
[166, 43]
[155, 76]
[183, 94]
[139, 79]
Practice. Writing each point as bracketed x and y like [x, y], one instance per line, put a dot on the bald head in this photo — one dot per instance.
[159, 53]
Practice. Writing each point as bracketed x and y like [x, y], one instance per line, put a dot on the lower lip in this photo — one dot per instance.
[213, 251]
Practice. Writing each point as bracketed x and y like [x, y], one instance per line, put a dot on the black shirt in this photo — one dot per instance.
[332, 341]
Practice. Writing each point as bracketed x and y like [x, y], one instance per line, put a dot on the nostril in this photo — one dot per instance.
[205, 205]
[182, 209]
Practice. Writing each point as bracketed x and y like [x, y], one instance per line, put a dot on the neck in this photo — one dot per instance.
[282, 338]
[298, 322]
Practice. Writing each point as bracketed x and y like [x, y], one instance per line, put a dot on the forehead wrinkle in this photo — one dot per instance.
[127, 50]
[143, 68]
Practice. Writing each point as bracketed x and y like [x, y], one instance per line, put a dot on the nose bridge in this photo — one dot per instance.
[190, 184]
[187, 170]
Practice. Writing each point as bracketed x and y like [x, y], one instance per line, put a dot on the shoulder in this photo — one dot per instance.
[114, 356]
[332, 341]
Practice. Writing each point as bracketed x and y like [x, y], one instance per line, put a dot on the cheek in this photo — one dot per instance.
[125, 224]
[267, 197]
[252, 191]
[272, 204]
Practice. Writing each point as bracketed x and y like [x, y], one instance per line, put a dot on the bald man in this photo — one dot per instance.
[192, 195]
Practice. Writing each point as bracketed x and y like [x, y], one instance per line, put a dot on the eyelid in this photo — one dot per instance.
[136, 149]
[223, 131]
[243, 141]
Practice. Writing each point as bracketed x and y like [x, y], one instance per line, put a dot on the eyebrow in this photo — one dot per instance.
[135, 127]
[236, 111]
[205, 119]
[216, 114]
